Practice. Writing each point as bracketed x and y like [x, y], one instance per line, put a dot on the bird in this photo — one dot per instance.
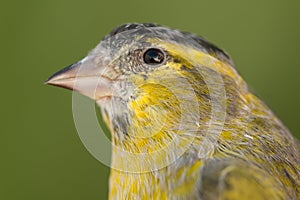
[184, 123]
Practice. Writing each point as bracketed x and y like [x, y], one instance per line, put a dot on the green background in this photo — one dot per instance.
[42, 156]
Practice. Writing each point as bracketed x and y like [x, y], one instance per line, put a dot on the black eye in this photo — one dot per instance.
[154, 56]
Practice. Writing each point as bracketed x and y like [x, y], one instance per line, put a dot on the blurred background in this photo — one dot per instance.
[42, 156]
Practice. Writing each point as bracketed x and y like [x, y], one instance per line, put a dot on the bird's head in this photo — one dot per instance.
[152, 83]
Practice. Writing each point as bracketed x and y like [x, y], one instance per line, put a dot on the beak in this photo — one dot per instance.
[85, 78]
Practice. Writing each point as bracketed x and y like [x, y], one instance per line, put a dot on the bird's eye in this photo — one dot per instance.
[153, 56]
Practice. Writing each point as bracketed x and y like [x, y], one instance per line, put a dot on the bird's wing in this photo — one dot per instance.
[224, 179]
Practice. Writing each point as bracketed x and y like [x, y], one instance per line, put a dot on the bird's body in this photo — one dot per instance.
[184, 124]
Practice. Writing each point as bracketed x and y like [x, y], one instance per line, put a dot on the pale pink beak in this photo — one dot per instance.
[85, 79]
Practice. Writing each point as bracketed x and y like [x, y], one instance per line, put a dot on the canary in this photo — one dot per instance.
[184, 124]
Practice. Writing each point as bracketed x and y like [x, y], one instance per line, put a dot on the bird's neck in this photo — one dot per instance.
[173, 181]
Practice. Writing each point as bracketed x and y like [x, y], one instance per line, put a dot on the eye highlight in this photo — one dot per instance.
[153, 56]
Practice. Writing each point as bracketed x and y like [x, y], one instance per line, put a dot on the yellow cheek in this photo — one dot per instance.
[153, 110]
